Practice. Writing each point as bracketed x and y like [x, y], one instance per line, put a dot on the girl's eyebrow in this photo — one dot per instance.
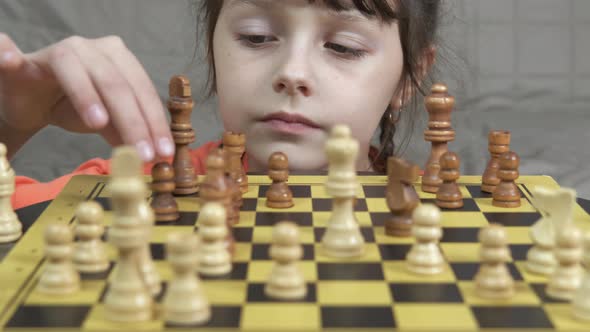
[349, 15]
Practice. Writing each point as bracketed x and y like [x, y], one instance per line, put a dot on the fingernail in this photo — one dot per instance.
[165, 146]
[97, 116]
[145, 150]
[6, 57]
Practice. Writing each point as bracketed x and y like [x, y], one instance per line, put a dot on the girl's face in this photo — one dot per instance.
[287, 71]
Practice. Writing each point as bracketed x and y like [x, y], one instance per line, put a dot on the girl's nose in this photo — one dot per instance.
[294, 76]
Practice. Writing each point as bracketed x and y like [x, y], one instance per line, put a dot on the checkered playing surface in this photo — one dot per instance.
[374, 291]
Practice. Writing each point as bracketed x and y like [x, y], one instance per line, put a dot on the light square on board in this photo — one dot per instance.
[274, 317]
[397, 271]
[431, 317]
[259, 271]
[320, 219]
[523, 295]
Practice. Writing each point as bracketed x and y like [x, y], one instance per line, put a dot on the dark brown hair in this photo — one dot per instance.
[418, 21]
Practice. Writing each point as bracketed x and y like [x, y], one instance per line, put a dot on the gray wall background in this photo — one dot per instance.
[520, 65]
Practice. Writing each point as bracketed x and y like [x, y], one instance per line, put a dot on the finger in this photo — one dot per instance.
[118, 97]
[77, 86]
[11, 58]
[111, 135]
[149, 101]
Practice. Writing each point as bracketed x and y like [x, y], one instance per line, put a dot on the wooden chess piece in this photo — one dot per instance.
[493, 280]
[235, 145]
[163, 202]
[401, 196]
[216, 188]
[59, 274]
[10, 225]
[279, 195]
[449, 196]
[128, 297]
[185, 302]
[90, 255]
[498, 143]
[567, 277]
[214, 259]
[343, 237]
[425, 257]
[507, 194]
[581, 301]
[180, 105]
[439, 105]
[286, 280]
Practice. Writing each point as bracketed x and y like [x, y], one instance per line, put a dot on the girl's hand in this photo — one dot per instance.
[85, 86]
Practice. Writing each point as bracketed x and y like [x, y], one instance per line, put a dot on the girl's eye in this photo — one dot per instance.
[346, 51]
[255, 40]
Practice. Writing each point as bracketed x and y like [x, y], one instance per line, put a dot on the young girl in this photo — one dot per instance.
[284, 73]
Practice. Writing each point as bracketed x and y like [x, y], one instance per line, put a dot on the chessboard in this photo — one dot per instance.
[373, 292]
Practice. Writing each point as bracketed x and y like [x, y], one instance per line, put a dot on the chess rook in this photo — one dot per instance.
[493, 281]
[567, 278]
[214, 259]
[506, 193]
[90, 255]
[10, 226]
[163, 185]
[448, 195]
[234, 144]
[180, 105]
[278, 195]
[59, 274]
[343, 237]
[425, 257]
[401, 196]
[286, 280]
[439, 105]
[184, 302]
[498, 143]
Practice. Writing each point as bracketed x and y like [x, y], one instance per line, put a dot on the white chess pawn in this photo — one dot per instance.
[185, 302]
[343, 238]
[90, 254]
[127, 298]
[59, 274]
[566, 279]
[493, 281]
[214, 259]
[10, 226]
[286, 281]
[425, 256]
[581, 301]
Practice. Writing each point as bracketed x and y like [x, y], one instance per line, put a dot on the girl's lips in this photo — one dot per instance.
[289, 123]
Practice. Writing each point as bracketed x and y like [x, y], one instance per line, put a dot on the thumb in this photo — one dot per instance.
[11, 57]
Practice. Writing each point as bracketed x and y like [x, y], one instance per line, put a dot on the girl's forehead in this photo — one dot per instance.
[386, 10]
[339, 5]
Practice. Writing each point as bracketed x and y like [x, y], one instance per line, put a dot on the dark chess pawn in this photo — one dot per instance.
[449, 196]
[401, 196]
[278, 195]
[507, 194]
[163, 185]
[217, 188]
[498, 143]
